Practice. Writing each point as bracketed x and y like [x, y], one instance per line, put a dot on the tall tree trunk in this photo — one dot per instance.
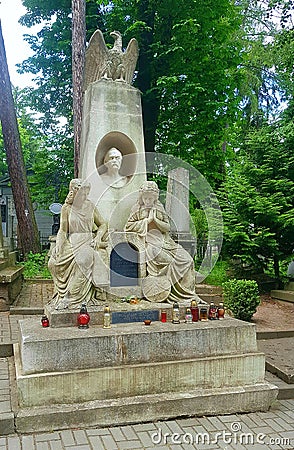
[150, 101]
[29, 237]
[276, 267]
[78, 62]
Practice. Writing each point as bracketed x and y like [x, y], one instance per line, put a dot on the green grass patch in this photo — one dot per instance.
[218, 274]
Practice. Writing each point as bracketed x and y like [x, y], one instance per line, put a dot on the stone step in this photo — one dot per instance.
[147, 408]
[286, 391]
[208, 289]
[287, 296]
[279, 357]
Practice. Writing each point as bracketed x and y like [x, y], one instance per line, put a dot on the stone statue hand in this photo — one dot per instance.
[98, 243]
[150, 216]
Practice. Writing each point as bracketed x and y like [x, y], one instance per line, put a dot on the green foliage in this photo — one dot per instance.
[218, 274]
[44, 156]
[241, 297]
[36, 265]
[257, 198]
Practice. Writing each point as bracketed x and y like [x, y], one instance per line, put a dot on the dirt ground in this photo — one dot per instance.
[274, 315]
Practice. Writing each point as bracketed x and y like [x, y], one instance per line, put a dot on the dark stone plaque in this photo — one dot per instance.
[124, 265]
[135, 316]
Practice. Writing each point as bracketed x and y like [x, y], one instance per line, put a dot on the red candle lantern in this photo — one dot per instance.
[194, 311]
[163, 315]
[83, 317]
[45, 321]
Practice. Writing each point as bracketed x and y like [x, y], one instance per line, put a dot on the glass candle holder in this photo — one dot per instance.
[45, 322]
[203, 313]
[83, 317]
[194, 311]
[163, 316]
[221, 311]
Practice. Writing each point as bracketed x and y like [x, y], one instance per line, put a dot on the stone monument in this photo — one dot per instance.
[177, 207]
[114, 239]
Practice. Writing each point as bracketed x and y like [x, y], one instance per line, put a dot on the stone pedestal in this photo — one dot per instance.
[135, 373]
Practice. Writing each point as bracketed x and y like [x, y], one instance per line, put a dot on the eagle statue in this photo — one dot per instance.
[110, 64]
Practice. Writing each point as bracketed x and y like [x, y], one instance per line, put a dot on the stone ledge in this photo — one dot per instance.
[6, 423]
[280, 372]
[9, 274]
[270, 334]
[287, 296]
[63, 349]
[279, 357]
[147, 408]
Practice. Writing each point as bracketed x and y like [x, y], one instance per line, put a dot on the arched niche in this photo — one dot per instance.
[124, 265]
[125, 145]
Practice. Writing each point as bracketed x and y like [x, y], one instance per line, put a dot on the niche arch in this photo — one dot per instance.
[127, 148]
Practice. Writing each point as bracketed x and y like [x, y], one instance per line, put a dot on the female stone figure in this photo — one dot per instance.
[169, 265]
[78, 261]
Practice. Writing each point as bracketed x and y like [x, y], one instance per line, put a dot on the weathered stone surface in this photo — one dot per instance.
[148, 408]
[6, 423]
[63, 349]
[120, 106]
[138, 379]
[287, 296]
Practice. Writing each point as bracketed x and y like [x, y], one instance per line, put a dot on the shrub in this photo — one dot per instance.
[36, 265]
[241, 297]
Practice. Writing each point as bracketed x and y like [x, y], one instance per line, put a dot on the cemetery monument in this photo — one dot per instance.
[114, 241]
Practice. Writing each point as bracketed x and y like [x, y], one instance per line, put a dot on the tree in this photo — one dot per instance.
[258, 198]
[78, 62]
[28, 236]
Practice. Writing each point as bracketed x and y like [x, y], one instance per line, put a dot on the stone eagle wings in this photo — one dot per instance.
[110, 64]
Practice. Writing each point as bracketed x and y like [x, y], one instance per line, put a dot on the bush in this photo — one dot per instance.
[241, 297]
[36, 265]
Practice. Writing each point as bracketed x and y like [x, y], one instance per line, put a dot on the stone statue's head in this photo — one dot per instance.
[148, 189]
[113, 158]
[76, 185]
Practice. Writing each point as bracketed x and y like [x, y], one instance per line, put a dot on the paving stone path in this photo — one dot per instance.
[256, 431]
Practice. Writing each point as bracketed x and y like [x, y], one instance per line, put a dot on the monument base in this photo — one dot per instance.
[136, 373]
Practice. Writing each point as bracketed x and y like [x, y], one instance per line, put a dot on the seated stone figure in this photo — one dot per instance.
[170, 268]
[78, 262]
[112, 163]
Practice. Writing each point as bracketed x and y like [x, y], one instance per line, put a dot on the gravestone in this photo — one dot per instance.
[177, 208]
